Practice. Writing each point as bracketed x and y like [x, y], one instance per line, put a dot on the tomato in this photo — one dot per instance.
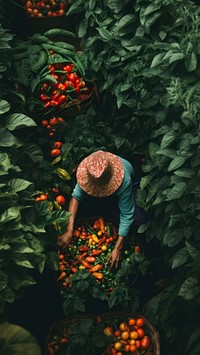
[55, 152]
[133, 335]
[123, 326]
[55, 189]
[108, 331]
[51, 52]
[62, 98]
[61, 87]
[131, 321]
[138, 344]
[125, 335]
[140, 322]
[44, 123]
[43, 197]
[68, 68]
[141, 332]
[145, 343]
[57, 145]
[76, 234]
[53, 121]
[117, 345]
[132, 348]
[117, 333]
[60, 119]
[60, 199]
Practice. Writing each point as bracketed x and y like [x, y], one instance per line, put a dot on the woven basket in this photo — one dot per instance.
[59, 329]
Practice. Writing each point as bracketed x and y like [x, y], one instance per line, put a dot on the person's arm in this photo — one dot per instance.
[77, 195]
[127, 208]
[65, 238]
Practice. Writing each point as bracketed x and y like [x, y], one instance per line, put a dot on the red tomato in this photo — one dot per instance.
[53, 121]
[141, 332]
[140, 322]
[60, 199]
[62, 99]
[44, 123]
[55, 152]
[145, 343]
[138, 344]
[57, 145]
[55, 189]
[68, 68]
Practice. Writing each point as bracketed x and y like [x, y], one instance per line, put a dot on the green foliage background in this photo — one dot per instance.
[144, 57]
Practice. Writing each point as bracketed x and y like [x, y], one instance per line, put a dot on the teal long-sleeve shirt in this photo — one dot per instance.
[125, 198]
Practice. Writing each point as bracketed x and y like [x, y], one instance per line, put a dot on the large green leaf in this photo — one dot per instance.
[15, 340]
[4, 107]
[34, 152]
[180, 258]
[18, 120]
[8, 139]
[3, 280]
[190, 288]
[12, 213]
[17, 185]
[176, 192]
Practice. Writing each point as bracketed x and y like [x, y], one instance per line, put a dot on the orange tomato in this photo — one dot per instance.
[131, 341]
[127, 347]
[132, 349]
[131, 321]
[117, 345]
[123, 326]
[125, 335]
[133, 335]
[108, 331]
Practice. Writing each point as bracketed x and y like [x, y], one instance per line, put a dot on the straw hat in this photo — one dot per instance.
[100, 174]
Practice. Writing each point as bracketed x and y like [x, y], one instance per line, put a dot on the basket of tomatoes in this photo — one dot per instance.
[87, 255]
[66, 94]
[105, 334]
[43, 15]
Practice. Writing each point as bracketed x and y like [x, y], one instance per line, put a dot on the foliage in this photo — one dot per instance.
[22, 223]
[146, 60]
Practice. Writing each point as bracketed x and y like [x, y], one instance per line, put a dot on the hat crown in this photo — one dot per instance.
[99, 169]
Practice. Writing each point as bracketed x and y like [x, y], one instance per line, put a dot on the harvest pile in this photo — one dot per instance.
[37, 8]
[89, 250]
[66, 88]
[114, 336]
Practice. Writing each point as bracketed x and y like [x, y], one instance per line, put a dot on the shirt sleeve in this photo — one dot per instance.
[78, 193]
[127, 208]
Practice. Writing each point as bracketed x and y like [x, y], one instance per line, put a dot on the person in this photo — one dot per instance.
[103, 174]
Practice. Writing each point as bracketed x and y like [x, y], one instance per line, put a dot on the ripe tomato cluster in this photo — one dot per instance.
[67, 88]
[130, 337]
[55, 198]
[51, 123]
[89, 250]
[37, 8]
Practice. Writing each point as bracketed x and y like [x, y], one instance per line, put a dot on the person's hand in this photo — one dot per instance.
[114, 258]
[64, 239]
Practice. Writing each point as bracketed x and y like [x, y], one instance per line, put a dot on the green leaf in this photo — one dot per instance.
[17, 185]
[21, 260]
[168, 138]
[59, 32]
[193, 345]
[18, 120]
[4, 107]
[193, 252]
[34, 152]
[8, 139]
[180, 258]
[191, 61]
[186, 173]
[15, 340]
[12, 213]
[190, 288]
[175, 57]
[176, 192]
[177, 162]
[105, 34]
